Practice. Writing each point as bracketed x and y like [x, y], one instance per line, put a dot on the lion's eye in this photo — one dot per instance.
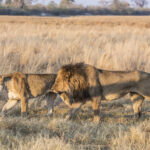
[66, 77]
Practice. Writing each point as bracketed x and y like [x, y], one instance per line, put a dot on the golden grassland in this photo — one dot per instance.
[42, 45]
[34, 44]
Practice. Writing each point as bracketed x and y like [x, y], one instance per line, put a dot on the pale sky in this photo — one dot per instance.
[84, 2]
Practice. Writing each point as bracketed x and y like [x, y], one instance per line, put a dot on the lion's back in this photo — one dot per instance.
[28, 84]
[40, 83]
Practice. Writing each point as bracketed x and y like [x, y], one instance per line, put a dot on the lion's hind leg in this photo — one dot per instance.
[8, 106]
[137, 101]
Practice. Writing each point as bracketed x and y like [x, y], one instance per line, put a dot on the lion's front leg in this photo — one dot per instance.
[72, 112]
[8, 106]
[95, 106]
[74, 106]
[24, 107]
[67, 99]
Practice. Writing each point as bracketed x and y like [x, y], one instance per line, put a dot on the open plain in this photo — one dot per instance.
[43, 45]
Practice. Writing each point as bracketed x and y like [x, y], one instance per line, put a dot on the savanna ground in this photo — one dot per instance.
[42, 45]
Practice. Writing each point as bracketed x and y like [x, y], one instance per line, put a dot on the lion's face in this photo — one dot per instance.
[61, 84]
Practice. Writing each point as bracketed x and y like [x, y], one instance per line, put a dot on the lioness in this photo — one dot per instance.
[21, 87]
[77, 83]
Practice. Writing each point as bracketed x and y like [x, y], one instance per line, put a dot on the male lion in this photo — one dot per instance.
[77, 83]
[21, 87]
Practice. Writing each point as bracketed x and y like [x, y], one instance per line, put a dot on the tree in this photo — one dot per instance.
[104, 3]
[1, 2]
[125, 4]
[28, 2]
[52, 5]
[8, 2]
[22, 3]
[117, 4]
[66, 3]
[140, 3]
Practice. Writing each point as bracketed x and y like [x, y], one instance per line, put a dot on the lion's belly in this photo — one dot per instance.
[114, 92]
[112, 96]
[13, 95]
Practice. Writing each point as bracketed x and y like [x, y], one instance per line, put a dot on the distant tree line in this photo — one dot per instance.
[69, 7]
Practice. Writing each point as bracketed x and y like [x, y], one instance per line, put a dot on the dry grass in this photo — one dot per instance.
[116, 131]
[42, 45]
[34, 44]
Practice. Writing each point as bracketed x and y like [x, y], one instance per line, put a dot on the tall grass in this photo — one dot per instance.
[42, 45]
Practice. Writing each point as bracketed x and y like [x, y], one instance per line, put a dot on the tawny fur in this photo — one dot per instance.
[21, 87]
[77, 83]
